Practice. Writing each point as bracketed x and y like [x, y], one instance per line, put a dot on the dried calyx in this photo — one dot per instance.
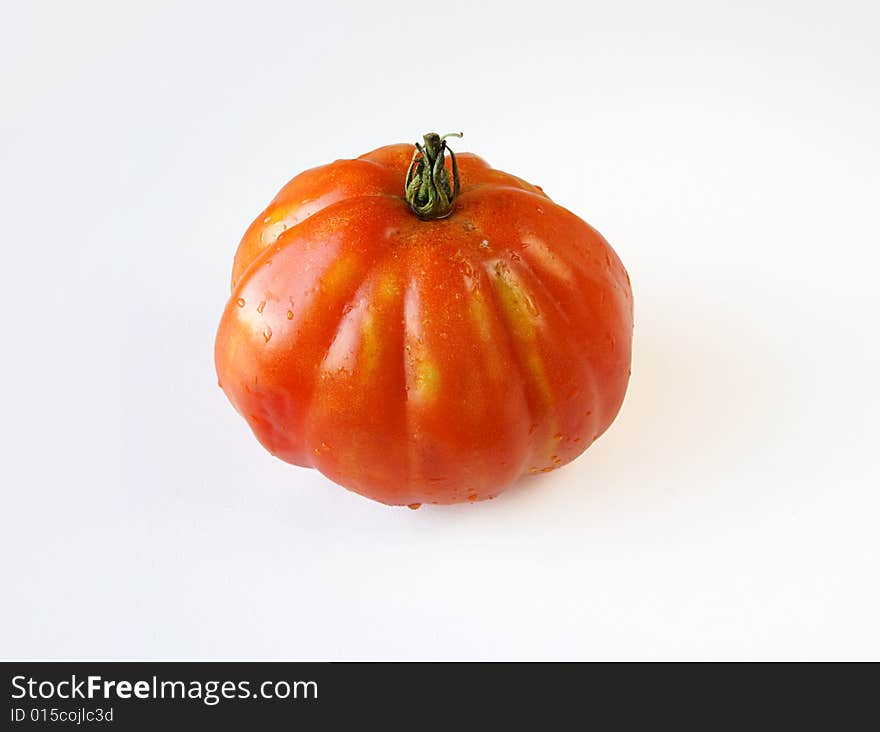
[428, 190]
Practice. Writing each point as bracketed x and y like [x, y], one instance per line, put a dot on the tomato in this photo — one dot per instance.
[424, 329]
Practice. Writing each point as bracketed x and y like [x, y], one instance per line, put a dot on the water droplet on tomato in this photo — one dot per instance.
[414, 506]
[240, 302]
[290, 314]
[267, 334]
[261, 306]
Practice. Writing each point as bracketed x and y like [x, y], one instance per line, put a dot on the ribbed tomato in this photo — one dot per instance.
[421, 342]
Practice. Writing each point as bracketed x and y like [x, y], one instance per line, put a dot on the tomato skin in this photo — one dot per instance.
[422, 361]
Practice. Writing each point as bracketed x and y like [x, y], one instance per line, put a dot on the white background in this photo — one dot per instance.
[730, 156]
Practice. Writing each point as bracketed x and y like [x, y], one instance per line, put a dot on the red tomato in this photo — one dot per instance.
[417, 343]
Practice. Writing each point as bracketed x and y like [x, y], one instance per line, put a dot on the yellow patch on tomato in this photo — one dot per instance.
[518, 306]
[388, 288]
[340, 273]
[371, 343]
[479, 315]
[426, 383]
[523, 319]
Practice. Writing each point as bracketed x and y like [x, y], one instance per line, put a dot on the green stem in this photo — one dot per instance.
[427, 183]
